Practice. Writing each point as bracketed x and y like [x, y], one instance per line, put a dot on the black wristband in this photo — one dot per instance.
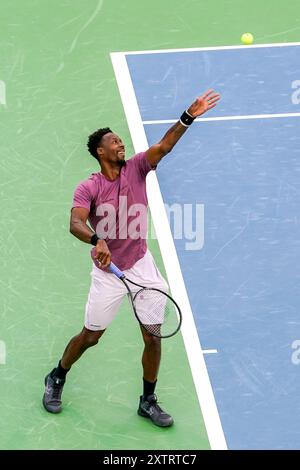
[94, 239]
[186, 119]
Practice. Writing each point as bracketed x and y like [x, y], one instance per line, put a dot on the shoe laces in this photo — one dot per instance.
[154, 402]
[57, 388]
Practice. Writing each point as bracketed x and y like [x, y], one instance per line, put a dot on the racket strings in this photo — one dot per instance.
[157, 312]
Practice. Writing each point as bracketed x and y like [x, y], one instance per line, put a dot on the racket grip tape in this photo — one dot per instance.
[113, 268]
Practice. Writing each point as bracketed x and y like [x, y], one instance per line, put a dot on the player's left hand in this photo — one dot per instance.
[204, 103]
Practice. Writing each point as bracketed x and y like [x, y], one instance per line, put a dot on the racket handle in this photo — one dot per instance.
[116, 271]
[113, 268]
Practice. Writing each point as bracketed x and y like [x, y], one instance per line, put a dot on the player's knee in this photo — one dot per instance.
[91, 339]
[151, 341]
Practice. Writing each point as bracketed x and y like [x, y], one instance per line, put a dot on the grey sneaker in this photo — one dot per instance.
[150, 409]
[52, 396]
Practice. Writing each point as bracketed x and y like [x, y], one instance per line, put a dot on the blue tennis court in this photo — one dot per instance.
[241, 163]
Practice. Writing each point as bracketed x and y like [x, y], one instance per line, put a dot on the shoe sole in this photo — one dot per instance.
[50, 411]
[145, 415]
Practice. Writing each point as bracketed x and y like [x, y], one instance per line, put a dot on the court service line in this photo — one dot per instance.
[209, 351]
[213, 48]
[189, 333]
[227, 118]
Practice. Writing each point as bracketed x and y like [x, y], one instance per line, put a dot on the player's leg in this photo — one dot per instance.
[148, 406]
[105, 296]
[55, 380]
[150, 359]
[145, 272]
[76, 347]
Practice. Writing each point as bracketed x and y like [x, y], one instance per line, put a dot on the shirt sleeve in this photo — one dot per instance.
[142, 164]
[82, 196]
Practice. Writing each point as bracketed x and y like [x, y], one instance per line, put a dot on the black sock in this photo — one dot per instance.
[60, 372]
[149, 388]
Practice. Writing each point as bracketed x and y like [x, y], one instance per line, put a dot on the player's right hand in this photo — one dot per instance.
[102, 254]
[204, 103]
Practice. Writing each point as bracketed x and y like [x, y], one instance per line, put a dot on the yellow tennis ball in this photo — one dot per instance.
[247, 38]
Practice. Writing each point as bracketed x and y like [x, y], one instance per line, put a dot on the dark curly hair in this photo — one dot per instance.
[95, 139]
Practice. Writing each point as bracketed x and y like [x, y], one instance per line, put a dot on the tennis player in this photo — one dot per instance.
[112, 201]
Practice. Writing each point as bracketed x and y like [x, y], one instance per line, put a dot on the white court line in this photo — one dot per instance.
[189, 333]
[228, 118]
[209, 351]
[214, 48]
[2, 352]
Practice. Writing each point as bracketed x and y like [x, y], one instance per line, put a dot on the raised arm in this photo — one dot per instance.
[200, 106]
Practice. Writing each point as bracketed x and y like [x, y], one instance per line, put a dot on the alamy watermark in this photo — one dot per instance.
[295, 358]
[131, 221]
[296, 94]
[2, 93]
[187, 223]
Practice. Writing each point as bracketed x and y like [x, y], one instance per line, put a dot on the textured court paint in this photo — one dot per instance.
[59, 85]
[249, 277]
[251, 81]
[245, 297]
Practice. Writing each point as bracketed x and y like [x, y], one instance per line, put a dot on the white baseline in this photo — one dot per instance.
[213, 48]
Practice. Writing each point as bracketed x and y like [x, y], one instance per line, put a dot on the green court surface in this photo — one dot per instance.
[59, 86]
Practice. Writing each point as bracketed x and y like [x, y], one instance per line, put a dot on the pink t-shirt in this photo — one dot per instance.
[118, 209]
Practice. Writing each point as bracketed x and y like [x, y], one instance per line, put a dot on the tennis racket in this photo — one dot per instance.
[154, 309]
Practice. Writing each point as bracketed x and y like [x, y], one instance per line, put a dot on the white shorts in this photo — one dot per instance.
[107, 291]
